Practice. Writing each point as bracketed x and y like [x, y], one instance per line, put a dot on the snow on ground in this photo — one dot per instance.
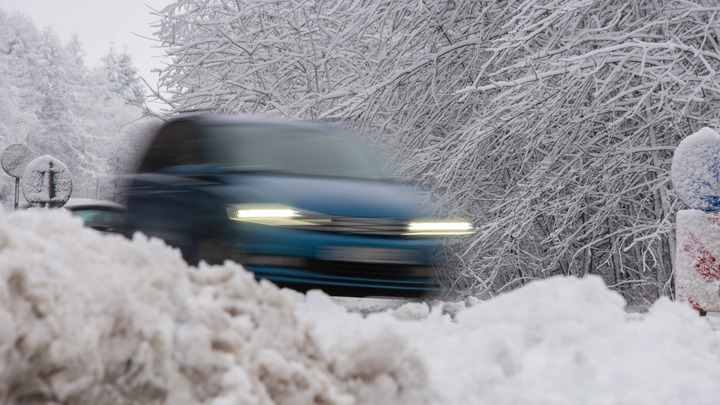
[87, 318]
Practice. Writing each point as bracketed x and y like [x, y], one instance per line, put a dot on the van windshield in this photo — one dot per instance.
[292, 150]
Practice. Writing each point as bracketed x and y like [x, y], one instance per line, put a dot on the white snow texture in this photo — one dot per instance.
[90, 318]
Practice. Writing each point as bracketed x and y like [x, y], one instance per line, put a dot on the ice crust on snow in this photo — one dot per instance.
[89, 318]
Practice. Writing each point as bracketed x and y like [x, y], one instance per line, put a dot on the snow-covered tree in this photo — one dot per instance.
[550, 122]
[299, 58]
[122, 77]
[53, 103]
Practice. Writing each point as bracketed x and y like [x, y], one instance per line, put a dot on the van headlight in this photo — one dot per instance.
[272, 214]
[439, 228]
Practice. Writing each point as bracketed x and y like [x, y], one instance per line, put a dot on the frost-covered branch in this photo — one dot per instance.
[550, 123]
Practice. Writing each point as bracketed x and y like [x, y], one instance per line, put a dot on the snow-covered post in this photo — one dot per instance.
[46, 182]
[695, 175]
[15, 159]
[697, 269]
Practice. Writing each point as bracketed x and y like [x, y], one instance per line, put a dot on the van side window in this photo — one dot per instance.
[176, 144]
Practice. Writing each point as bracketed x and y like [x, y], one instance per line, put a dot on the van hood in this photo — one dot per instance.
[326, 195]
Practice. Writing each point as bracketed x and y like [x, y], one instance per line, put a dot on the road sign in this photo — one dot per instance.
[15, 158]
[46, 182]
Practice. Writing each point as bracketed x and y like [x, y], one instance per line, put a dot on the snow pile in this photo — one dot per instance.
[95, 319]
[87, 318]
[559, 341]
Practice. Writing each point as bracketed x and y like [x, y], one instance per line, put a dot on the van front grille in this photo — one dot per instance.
[360, 226]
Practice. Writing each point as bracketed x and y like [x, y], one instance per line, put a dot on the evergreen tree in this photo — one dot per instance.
[122, 77]
[53, 103]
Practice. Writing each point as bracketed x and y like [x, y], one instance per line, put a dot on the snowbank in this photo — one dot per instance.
[87, 318]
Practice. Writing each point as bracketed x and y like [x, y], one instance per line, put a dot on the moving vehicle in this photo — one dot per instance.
[302, 204]
[101, 215]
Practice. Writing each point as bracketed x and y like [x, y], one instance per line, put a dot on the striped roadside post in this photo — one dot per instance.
[695, 174]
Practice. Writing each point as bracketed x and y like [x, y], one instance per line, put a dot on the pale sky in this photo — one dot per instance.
[98, 24]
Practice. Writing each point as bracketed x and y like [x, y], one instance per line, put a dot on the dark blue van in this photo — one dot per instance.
[302, 204]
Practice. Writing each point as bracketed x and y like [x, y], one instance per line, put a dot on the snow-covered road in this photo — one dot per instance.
[87, 318]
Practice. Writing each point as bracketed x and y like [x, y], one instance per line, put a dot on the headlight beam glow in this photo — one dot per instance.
[267, 213]
[270, 214]
[440, 228]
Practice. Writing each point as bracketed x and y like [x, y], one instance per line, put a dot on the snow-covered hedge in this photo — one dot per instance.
[551, 123]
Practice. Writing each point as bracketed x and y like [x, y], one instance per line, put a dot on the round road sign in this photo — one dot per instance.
[46, 182]
[15, 158]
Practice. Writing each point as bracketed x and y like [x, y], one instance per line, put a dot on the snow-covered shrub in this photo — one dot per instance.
[551, 123]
